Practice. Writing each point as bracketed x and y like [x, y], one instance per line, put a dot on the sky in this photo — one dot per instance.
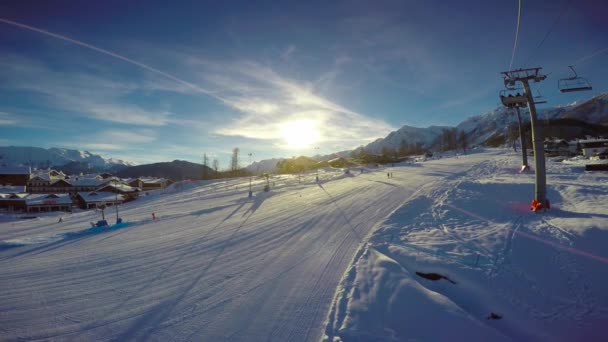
[150, 81]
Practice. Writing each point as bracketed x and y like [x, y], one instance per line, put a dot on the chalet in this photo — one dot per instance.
[48, 202]
[128, 192]
[592, 147]
[105, 175]
[15, 175]
[82, 184]
[13, 202]
[95, 199]
[153, 183]
[135, 182]
[557, 147]
[41, 181]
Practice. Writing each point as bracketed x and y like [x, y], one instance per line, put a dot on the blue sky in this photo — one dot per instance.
[276, 79]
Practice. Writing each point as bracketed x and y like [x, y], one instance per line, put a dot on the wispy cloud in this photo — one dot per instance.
[113, 140]
[267, 101]
[7, 119]
[81, 94]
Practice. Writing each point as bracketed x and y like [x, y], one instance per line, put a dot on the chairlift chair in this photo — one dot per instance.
[539, 98]
[573, 83]
[513, 98]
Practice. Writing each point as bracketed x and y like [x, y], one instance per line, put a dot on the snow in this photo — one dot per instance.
[544, 274]
[335, 259]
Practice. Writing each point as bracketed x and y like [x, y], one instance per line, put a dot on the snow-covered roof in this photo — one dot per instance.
[38, 199]
[100, 196]
[152, 180]
[83, 181]
[13, 196]
[41, 176]
[122, 187]
[12, 189]
[15, 170]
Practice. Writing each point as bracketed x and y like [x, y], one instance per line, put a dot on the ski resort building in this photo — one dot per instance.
[14, 175]
[48, 202]
[592, 147]
[95, 199]
[153, 183]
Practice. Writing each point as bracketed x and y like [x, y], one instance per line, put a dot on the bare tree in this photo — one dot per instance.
[216, 166]
[205, 166]
[234, 162]
[462, 139]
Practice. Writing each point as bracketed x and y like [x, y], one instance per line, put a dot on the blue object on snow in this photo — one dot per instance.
[118, 220]
[102, 223]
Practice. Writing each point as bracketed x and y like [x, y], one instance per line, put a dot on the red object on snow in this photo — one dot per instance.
[536, 205]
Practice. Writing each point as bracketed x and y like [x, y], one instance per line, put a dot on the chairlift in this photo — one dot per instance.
[539, 98]
[513, 98]
[573, 83]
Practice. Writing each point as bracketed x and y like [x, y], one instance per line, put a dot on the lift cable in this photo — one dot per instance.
[516, 34]
[564, 6]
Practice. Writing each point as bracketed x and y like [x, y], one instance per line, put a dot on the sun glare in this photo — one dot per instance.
[300, 133]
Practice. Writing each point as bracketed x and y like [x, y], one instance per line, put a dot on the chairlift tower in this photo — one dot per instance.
[525, 76]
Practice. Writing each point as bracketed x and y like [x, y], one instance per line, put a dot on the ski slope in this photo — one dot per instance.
[217, 265]
[501, 272]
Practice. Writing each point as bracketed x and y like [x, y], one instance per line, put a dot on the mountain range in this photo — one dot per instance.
[589, 117]
[38, 157]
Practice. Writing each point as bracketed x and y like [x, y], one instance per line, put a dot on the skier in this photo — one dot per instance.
[153, 217]
[388, 175]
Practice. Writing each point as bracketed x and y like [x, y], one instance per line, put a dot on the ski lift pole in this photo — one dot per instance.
[540, 187]
[522, 141]
[250, 192]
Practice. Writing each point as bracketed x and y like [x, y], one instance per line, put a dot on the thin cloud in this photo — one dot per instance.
[7, 119]
[267, 101]
[81, 94]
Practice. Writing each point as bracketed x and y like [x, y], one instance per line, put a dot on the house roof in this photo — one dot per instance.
[39, 199]
[99, 196]
[12, 189]
[85, 181]
[13, 196]
[152, 180]
[121, 187]
[15, 170]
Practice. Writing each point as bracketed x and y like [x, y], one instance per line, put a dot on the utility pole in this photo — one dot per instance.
[525, 76]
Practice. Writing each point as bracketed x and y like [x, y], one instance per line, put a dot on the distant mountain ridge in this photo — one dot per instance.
[176, 170]
[480, 129]
[38, 157]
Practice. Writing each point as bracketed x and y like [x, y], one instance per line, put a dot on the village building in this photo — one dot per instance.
[96, 199]
[128, 192]
[591, 147]
[14, 175]
[153, 183]
[48, 202]
[135, 182]
[13, 202]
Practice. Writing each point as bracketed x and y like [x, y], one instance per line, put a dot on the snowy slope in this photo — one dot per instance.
[220, 266]
[544, 274]
[18, 155]
[215, 266]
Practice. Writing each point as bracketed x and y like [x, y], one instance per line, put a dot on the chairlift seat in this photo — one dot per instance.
[573, 83]
[571, 90]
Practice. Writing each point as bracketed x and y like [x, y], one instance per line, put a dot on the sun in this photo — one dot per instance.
[300, 133]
